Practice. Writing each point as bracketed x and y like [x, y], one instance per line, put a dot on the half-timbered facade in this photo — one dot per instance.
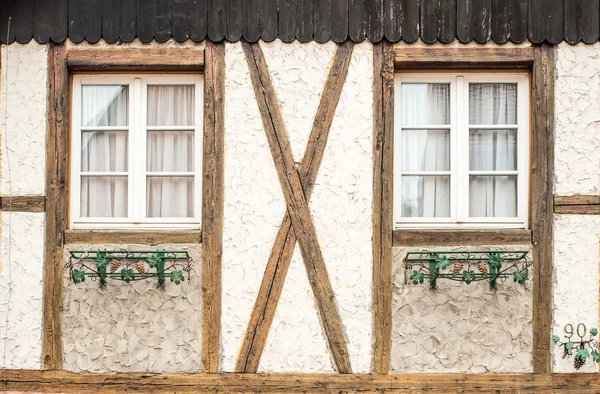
[338, 196]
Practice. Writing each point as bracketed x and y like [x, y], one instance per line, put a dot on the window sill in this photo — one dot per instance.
[145, 237]
[456, 237]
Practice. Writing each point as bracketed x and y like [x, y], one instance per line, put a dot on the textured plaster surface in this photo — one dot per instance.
[133, 327]
[460, 328]
[136, 44]
[577, 151]
[341, 207]
[23, 96]
[21, 275]
[576, 260]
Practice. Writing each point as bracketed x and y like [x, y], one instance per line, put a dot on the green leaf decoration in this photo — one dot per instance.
[101, 263]
[177, 277]
[417, 277]
[582, 353]
[569, 345]
[77, 276]
[127, 275]
[555, 338]
[594, 332]
[596, 356]
[468, 276]
[495, 261]
[154, 261]
[520, 277]
[442, 263]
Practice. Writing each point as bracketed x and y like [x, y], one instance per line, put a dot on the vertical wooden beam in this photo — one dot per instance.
[383, 134]
[213, 168]
[541, 200]
[57, 144]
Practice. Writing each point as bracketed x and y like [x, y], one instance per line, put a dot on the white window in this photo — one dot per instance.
[461, 150]
[136, 154]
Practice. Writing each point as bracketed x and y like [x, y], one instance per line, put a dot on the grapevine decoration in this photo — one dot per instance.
[129, 265]
[581, 349]
[467, 267]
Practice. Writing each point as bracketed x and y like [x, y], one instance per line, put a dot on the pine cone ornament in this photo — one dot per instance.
[578, 362]
[457, 268]
[114, 265]
[139, 266]
[483, 267]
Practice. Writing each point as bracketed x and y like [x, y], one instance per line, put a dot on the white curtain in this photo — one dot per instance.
[425, 150]
[493, 150]
[104, 151]
[170, 151]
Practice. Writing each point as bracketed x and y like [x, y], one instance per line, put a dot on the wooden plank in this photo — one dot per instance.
[269, 20]
[128, 23]
[287, 20]
[447, 23]
[500, 22]
[217, 24]
[339, 20]
[464, 20]
[85, 20]
[7, 12]
[410, 23]
[446, 57]
[69, 382]
[555, 21]
[146, 20]
[304, 20]
[123, 59]
[357, 17]
[251, 24]
[393, 17]
[198, 20]
[233, 16]
[50, 20]
[57, 147]
[537, 16]
[285, 241]
[436, 237]
[213, 169]
[297, 205]
[180, 19]
[517, 20]
[163, 20]
[111, 21]
[21, 24]
[576, 200]
[383, 122]
[375, 22]
[23, 203]
[145, 237]
[541, 202]
[590, 21]
[430, 18]
[572, 17]
[482, 21]
[322, 21]
[577, 209]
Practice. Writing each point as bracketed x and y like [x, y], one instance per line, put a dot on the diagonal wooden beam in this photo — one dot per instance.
[297, 205]
[285, 241]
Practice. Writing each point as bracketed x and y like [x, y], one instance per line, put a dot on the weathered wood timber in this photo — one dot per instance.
[141, 59]
[383, 128]
[410, 238]
[541, 201]
[144, 237]
[23, 203]
[213, 188]
[285, 241]
[57, 146]
[577, 205]
[67, 382]
[297, 205]
[418, 58]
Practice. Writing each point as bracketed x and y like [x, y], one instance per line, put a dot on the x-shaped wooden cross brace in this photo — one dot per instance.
[297, 184]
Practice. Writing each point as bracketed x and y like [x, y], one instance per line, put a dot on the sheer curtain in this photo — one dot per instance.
[104, 151]
[493, 150]
[170, 151]
[425, 150]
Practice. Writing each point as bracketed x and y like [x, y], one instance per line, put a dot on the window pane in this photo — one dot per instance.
[171, 105]
[493, 150]
[425, 196]
[425, 104]
[170, 151]
[104, 197]
[104, 151]
[493, 103]
[170, 197]
[425, 150]
[493, 196]
[104, 105]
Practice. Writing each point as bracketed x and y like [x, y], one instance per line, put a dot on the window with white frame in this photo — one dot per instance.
[461, 150]
[136, 151]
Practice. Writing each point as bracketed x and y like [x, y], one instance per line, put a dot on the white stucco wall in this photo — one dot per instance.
[21, 274]
[133, 327]
[341, 206]
[577, 168]
[24, 96]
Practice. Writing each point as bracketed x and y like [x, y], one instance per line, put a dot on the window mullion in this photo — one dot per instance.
[137, 154]
[459, 153]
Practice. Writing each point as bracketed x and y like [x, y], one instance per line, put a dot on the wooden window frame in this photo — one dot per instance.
[539, 60]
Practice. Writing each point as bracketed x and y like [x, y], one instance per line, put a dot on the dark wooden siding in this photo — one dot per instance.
[322, 20]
